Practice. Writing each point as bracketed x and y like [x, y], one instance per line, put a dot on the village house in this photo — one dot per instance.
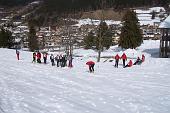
[150, 20]
[20, 33]
[165, 38]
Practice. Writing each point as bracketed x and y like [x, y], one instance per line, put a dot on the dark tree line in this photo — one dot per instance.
[72, 5]
[6, 39]
[14, 2]
[61, 6]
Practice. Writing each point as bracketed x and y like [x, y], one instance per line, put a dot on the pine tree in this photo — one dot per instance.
[106, 36]
[130, 32]
[32, 38]
[103, 34]
[89, 40]
[6, 39]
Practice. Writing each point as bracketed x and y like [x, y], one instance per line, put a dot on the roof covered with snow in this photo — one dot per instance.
[145, 16]
[95, 22]
[165, 23]
[147, 11]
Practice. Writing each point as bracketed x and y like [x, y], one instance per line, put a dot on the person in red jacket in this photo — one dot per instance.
[117, 57]
[129, 64]
[124, 58]
[91, 66]
[143, 57]
[39, 57]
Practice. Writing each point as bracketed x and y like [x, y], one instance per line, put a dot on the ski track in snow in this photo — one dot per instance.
[37, 88]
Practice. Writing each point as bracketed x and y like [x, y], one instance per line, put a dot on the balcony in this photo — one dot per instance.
[165, 38]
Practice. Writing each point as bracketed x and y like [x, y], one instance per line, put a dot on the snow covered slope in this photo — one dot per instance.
[38, 88]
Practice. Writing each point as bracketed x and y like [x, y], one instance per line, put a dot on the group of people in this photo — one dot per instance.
[130, 63]
[117, 58]
[59, 60]
[37, 57]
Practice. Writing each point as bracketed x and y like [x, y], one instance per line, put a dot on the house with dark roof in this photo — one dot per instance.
[165, 38]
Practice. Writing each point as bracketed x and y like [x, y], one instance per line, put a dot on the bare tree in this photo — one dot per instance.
[103, 2]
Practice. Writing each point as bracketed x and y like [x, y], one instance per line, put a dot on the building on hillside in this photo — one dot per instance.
[20, 35]
[148, 23]
[48, 39]
[165, 38]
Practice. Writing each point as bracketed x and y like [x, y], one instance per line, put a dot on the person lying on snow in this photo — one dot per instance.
[129, 64]
[138, 61]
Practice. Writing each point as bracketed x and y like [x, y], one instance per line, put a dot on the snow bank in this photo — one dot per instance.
[38, 88]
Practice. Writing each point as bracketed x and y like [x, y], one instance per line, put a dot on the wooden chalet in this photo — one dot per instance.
[165, 38]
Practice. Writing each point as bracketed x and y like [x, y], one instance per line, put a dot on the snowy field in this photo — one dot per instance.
[38, 88]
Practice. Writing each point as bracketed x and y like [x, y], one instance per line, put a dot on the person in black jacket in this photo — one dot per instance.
[52, 60]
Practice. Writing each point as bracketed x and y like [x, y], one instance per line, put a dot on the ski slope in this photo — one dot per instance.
[26, 87]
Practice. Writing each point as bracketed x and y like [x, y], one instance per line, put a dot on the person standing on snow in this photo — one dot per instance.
[60, 60]
[70, 59]
[39, 57]
[143, 57]
[45, 57]
[52, 60]
[57, 59]
[117, 57]
[34, 57]
[63, 61]
[17, 53]
[124, 58]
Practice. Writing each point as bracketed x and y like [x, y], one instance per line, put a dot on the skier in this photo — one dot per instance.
[17, 53]
[39, 57]
[143, 57]
[124, 58]
[45, 57]
[34, 57]
[117, 57]
[129, 64]
[52, 60]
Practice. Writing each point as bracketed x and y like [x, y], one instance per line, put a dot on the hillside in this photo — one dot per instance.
[38, 88]
[108, 14]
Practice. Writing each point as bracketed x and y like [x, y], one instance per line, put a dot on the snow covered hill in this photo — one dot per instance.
[26, 87]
